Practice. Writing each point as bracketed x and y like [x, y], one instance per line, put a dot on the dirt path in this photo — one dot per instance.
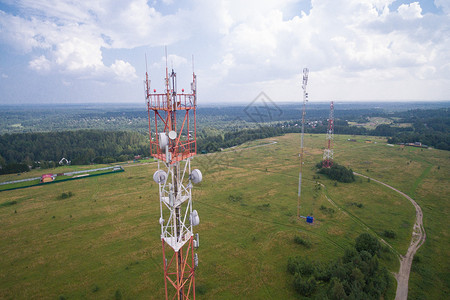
[418, 238]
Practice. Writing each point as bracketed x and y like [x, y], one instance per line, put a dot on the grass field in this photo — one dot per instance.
[104, 240]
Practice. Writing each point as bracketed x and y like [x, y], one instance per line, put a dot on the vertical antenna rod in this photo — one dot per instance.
[305, 99]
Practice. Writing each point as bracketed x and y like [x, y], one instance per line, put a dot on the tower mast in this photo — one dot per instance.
[173, 142]
[305, 99]
[328, 152]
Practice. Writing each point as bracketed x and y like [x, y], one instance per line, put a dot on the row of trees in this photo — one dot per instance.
[356, 275]
[45, 149]
[13, 168]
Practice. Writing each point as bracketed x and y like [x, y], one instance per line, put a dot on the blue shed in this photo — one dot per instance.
[309, 219]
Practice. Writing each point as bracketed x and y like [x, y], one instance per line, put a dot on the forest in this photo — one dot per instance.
[81, 147]
[37, 138]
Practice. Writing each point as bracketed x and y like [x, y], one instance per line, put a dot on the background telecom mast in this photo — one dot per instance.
[173, 141]
[305, 99]
[328, 152]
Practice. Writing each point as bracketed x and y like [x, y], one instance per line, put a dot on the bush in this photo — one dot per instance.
[368, 243]
[235, 198]
[298, 265]
[357, 204]
[200, 289]
[298, 240]
[337, 172]
[305, 287]
[8, 203]
[389, 234]
[337, 290]
[327, 210]
[264, 207]
[66, 195]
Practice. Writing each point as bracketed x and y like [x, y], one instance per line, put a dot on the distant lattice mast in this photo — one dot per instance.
[173, 142]
[328, 152]
[305, 99]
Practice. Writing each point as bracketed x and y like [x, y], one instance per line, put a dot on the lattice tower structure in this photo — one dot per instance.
[173, 142]
[328, 152]
[305, 99]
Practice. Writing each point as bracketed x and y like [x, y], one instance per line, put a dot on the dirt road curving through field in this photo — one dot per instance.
[418, 238]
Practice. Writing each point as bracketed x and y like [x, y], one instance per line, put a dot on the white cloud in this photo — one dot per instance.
[73, 34]
[75, 54]
[21, 34]
[40, 64]
[4, 76]
[132, 24]
[444, 4]
[124, 71]
[357, 39]
[174, 61]
[246, 45]
[410, 11]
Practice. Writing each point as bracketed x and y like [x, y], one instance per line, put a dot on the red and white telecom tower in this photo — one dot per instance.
[173, 141]
[328, 152]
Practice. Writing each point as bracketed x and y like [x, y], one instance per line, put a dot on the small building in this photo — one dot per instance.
[47, 178]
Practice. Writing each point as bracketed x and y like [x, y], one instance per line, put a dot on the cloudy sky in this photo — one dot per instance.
[66, 51]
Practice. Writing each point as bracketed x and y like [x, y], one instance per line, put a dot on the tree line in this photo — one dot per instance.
[46, 149]
[18, 151]
[431, 131]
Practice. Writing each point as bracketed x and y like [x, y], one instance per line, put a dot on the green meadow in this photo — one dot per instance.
[58, 179]
[103, 241]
